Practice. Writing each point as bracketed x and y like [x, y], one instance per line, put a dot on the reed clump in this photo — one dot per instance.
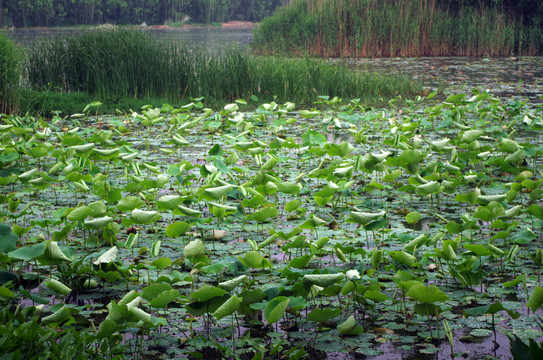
[399, 28]
[117, 64]
[11, 60]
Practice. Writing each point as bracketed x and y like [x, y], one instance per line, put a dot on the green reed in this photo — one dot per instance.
[11, 59]
[375, 28]
[129, 64]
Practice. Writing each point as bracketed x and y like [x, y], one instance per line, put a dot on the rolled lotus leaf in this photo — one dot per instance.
[233, 283]
[53, 252]
[430, 187]
[98, 223]
[58, 287]
[83, 148]
[323, 280]
[228, 307]
[188, 211]
[107, 257]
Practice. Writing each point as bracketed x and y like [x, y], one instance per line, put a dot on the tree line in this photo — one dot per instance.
[29, 13]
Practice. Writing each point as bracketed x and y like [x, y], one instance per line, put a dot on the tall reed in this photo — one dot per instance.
[11, 59]
[395, 28]
[118, 64]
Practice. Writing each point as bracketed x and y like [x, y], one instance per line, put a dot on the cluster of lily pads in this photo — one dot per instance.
[271, 232]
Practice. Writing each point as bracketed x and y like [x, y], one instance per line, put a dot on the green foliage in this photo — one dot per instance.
[172, 12]
[11, 62]
[352, 28]
[119, 64]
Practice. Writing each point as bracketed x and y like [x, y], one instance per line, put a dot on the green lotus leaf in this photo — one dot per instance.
[427, 294]
[206, 293]
[323, 280]
[58, 316]
[536, 299]
[275, 309]
[177, 229]
[8, 240]
[27, 175]
[83, 148]
[144, 217]
[107, 257]
[79, 213]
[364, 218]
[53, 252]
[188, 211]
[233, 283]
[217, 193]
[228, 307]
[130, 203]
[98, 223]
[194, 248]
[169, 202]
[222, 206]
[289, 187]
[58, 287]
[403, 257]
[431, 187]
[471, 135]
[164, 298]
[413, 217]
[107, 152]
[323, 315]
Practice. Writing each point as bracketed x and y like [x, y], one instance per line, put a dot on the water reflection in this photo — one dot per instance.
[212, 37]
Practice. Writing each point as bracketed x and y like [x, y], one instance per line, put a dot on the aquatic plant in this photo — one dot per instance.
[353, 28]
[11, 67]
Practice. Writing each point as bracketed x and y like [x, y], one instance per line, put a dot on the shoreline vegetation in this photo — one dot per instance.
[401, 28]
[122, 68]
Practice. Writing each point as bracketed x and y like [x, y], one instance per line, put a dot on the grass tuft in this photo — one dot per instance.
[11, 58]
[120, 64]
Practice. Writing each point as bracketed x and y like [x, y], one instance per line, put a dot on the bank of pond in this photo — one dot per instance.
[118, 66]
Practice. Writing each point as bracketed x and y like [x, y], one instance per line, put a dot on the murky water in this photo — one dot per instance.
[212, 37]
[504, 77]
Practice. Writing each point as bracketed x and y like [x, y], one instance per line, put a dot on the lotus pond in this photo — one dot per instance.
[336, 232]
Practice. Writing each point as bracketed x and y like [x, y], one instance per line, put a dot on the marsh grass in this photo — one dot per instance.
[371, 28]
[124, 64]
[11, 58]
